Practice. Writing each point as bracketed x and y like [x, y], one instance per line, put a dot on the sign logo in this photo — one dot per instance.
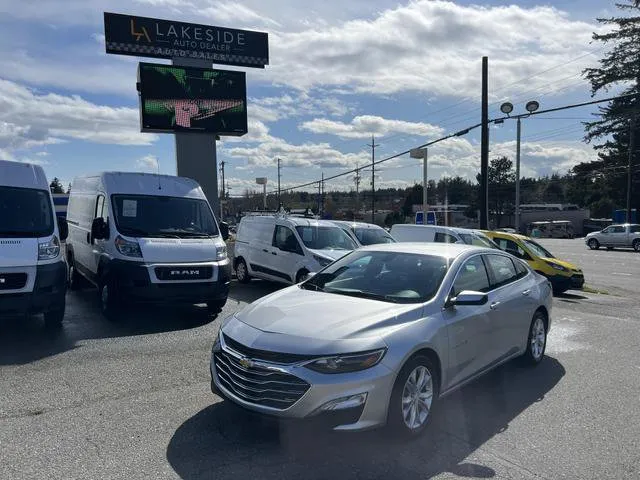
[141, 34]
[246, 362]
[185, 273]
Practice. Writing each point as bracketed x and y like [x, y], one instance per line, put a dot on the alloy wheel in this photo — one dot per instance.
[417, 396]
[538, 338]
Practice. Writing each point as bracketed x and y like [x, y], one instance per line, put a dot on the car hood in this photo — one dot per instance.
[332, 254]
[178, 250]
[562, 263]
[307, 316]
[18, 252]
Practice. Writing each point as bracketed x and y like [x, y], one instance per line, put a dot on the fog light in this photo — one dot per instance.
[343, 403]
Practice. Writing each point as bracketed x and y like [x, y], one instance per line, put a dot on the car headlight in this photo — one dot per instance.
[348, 362]
[323, 261]
[221, 253]
[49, 250]
[127, 247]
[557, 267]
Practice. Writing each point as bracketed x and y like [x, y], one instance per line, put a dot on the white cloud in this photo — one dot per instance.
[29, 119]
[148, 163]
[365, 125]
[270, 109]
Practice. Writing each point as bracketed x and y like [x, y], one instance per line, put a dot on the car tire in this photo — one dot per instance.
[53, 318]
[216, 306]
[636, 245]
[406, 406]
[536, 340]
[109, 300]
[593, 244]
[302, 275]
[242, 272]
[75, 279]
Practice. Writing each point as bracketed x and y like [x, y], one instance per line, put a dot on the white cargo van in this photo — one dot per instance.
[439, 234]
[145, 237]
[33, 273]
[286, 248]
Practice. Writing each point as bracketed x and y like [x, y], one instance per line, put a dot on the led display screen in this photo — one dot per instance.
[187, 99]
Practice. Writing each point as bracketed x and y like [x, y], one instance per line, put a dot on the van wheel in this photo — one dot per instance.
[242, 273]
[53, 318]
[216, 306]
[302, 275]
[75, 280]
[109, 301]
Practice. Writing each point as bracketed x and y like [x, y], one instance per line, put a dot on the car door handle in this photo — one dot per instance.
[274, 253]
[494, 305]
[526, 292]
[265, 250]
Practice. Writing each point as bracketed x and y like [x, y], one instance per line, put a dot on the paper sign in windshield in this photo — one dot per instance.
[129, 208]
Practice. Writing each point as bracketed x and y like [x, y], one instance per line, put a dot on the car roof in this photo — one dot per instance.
[309, 222]
[357, 224]
[447, 250]
[506, 234]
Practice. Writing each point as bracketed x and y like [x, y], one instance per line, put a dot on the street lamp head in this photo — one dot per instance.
[506, 108]
[532, 106]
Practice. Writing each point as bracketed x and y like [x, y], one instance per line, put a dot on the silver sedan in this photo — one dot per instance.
[381, 335]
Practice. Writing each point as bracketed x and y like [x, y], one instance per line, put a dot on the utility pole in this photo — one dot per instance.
[484, 148]
[322, 196]
[357, 179]
[518, 135]
[373, 178]
[278, 202]
[632, 148]
[425, 182]
[222, 196]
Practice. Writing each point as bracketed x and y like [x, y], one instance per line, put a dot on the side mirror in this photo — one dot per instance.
[224, 230]
[99, 229]
[469, 298]
[63, 228]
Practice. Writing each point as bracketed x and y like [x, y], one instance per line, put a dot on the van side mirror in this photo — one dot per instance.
[63, 228]
[224, 230]
[469, 298]
[99, 229]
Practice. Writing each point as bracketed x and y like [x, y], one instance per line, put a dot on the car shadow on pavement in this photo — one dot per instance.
[25, 339]
[224, 441]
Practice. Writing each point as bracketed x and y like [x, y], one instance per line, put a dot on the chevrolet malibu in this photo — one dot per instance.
[381, 335]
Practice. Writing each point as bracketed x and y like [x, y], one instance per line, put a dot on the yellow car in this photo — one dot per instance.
[562, 275]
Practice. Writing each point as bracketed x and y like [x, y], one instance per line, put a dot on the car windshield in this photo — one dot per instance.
[25, 212]
[394, 277]
[156, 216]
[372, 236]
[538, 249]
[325, 238]
[478, 239]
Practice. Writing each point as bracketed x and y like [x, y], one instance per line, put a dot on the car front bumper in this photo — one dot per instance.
[561, 282]
[376, 383]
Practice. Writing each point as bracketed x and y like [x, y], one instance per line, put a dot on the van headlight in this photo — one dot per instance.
[323, 261]
[557, 267]
[352, 362]
[128, 248]
[221, 253]
[49, 250]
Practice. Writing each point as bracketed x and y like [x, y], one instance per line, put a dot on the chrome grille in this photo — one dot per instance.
[258, 385]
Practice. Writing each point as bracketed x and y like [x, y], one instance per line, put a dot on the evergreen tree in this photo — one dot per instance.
[610, 134]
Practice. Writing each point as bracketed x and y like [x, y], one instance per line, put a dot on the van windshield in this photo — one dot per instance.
[372, 236]
[478, 239]
[325, 238]
[25, 212]
[155, 216]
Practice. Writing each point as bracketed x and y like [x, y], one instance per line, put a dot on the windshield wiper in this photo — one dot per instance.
[363, 294]
[311, 286]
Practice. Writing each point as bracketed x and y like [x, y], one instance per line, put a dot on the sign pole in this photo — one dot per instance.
[425, 199]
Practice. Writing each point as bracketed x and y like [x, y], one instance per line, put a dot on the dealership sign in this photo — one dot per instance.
[150, 37]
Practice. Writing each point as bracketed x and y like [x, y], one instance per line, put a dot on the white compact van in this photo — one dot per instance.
[287, 248]
[439, 234]
[365, 233]
[33, 273]
[147, 238]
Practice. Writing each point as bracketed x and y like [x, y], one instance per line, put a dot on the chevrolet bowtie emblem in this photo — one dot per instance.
[246, 363]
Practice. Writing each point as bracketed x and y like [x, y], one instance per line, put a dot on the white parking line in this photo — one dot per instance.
[623, 274]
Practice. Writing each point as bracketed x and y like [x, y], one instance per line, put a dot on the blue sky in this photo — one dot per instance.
[408, 72]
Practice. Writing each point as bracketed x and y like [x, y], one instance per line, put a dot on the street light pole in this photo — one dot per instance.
[519, 130]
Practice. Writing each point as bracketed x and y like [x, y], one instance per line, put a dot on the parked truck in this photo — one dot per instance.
[615, 236]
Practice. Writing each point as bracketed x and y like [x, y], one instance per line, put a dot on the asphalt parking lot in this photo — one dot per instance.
[132, 400]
